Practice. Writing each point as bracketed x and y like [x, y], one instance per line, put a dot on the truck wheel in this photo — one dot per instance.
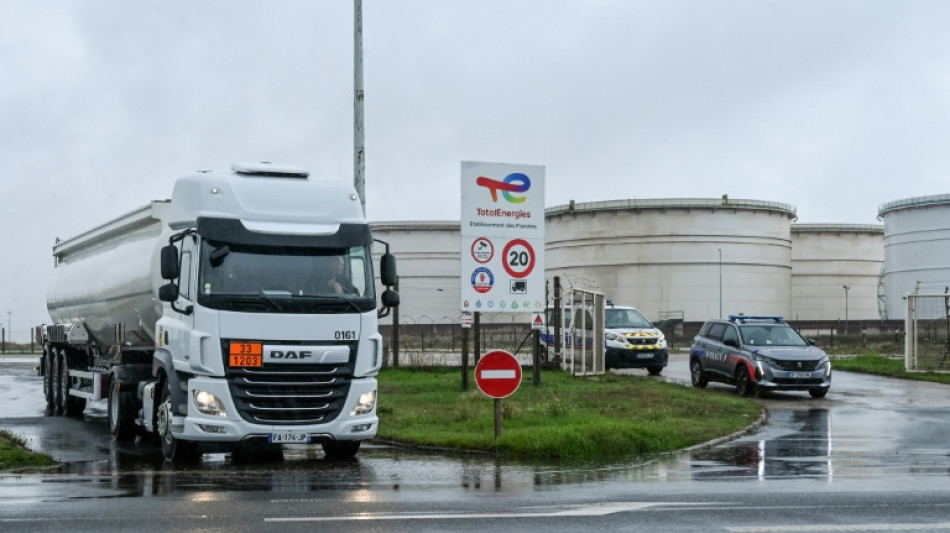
[56, 385]
[173, 449]
[121, 416]
[341, 450]
[68, 405]
[48, 386]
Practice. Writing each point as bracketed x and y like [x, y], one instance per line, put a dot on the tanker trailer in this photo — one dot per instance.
[242, 312]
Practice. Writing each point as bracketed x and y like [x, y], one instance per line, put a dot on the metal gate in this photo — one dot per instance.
[584, 341]
[927, 343]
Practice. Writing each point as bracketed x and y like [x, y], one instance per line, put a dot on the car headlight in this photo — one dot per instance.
[208, 403]
[365, 404]
[611, 336]
[767, 360]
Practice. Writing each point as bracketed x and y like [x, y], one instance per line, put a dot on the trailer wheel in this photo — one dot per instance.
[173, 449]
[48, 386]
[341, 450]
[68, 405]
[121, 413]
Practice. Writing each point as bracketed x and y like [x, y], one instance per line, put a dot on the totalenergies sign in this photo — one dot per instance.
[502, 252]
[502, 199]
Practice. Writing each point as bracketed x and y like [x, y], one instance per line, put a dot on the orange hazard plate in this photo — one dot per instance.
[245, 354]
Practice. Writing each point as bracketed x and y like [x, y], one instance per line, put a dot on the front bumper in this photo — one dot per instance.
[771, 378]
[631, 358]
[202, 427]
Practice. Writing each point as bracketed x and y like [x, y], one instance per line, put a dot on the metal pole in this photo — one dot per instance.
[359, 150]
[10, 326]
[465, 358]
[846, 308]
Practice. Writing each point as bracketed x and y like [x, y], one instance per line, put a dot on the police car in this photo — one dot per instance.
[630, 340]
[756, 354]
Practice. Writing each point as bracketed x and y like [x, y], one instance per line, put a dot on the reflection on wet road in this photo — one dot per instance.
[866, 428]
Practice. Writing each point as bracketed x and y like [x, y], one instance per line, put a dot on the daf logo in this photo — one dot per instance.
[303, 354]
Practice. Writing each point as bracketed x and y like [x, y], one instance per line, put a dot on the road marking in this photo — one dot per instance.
[593, 510]
[843, 527]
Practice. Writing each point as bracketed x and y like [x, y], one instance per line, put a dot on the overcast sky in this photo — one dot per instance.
[832, 106]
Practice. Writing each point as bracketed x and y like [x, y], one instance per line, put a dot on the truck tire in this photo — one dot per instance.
[121, 413]
[56, 386]
[68, 405]
[48, 382]
[174, 450]
[341, 450]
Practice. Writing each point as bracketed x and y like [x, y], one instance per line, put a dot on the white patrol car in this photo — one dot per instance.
[632, 341]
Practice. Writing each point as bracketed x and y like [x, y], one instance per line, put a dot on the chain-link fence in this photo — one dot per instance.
[927, 347]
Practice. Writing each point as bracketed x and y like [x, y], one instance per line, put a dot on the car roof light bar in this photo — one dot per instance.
[743, 318]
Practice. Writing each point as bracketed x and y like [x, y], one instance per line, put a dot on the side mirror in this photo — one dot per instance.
[390, 298]
[169, 264]
[811, 342]
[387, 270]
[168, 292]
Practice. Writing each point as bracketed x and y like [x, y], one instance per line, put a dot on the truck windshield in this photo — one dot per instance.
[288, 279]
[625, 318]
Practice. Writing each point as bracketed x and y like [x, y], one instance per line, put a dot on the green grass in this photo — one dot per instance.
[14, 453]
[886, 366]
[606, 417]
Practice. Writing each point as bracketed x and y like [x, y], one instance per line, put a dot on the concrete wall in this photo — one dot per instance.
[828, 257]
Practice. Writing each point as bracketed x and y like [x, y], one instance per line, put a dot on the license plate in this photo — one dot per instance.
[644, 356]
[289, 438]
[246, 354]
[800, 375]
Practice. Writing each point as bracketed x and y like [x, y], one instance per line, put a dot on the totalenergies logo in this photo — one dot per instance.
[514, 182]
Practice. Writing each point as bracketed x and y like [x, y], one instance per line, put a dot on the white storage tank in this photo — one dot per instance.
[427, 255]
[916, 249]
[697, 257]
[826, 258]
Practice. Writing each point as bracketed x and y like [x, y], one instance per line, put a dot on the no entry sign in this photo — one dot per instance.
[498, 374]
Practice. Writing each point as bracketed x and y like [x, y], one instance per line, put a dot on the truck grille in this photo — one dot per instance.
[291, 394]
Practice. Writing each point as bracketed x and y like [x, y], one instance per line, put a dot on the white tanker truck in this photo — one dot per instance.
[240, 312]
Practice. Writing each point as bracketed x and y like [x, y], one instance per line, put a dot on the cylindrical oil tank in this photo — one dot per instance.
[916, 249]
[429, 269]
[836, 269]
[691, 258]
[110, 275]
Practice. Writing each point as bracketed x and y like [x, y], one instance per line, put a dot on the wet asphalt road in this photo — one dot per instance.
[874, 455]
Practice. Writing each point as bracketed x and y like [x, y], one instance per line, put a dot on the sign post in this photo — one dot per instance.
[498, 375]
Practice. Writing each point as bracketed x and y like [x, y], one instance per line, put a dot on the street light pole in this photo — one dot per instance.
[720, 283]
[359, 148]
[846, 288]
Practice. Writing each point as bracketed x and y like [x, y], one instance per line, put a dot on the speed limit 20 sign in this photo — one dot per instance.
[519, 258]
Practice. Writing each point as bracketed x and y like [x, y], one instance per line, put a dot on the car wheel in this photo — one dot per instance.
[697, 375]
[655, 370]
[818, 393]
[744, 384]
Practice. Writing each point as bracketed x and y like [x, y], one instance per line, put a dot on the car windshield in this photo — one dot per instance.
[625, 318]
[771, 335]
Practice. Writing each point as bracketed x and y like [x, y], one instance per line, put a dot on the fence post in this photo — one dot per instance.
[477, 332]
[465, 358]
[395, 331]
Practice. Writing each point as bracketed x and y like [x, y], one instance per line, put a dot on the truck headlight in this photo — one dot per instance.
[208, 403]
[365, 404]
